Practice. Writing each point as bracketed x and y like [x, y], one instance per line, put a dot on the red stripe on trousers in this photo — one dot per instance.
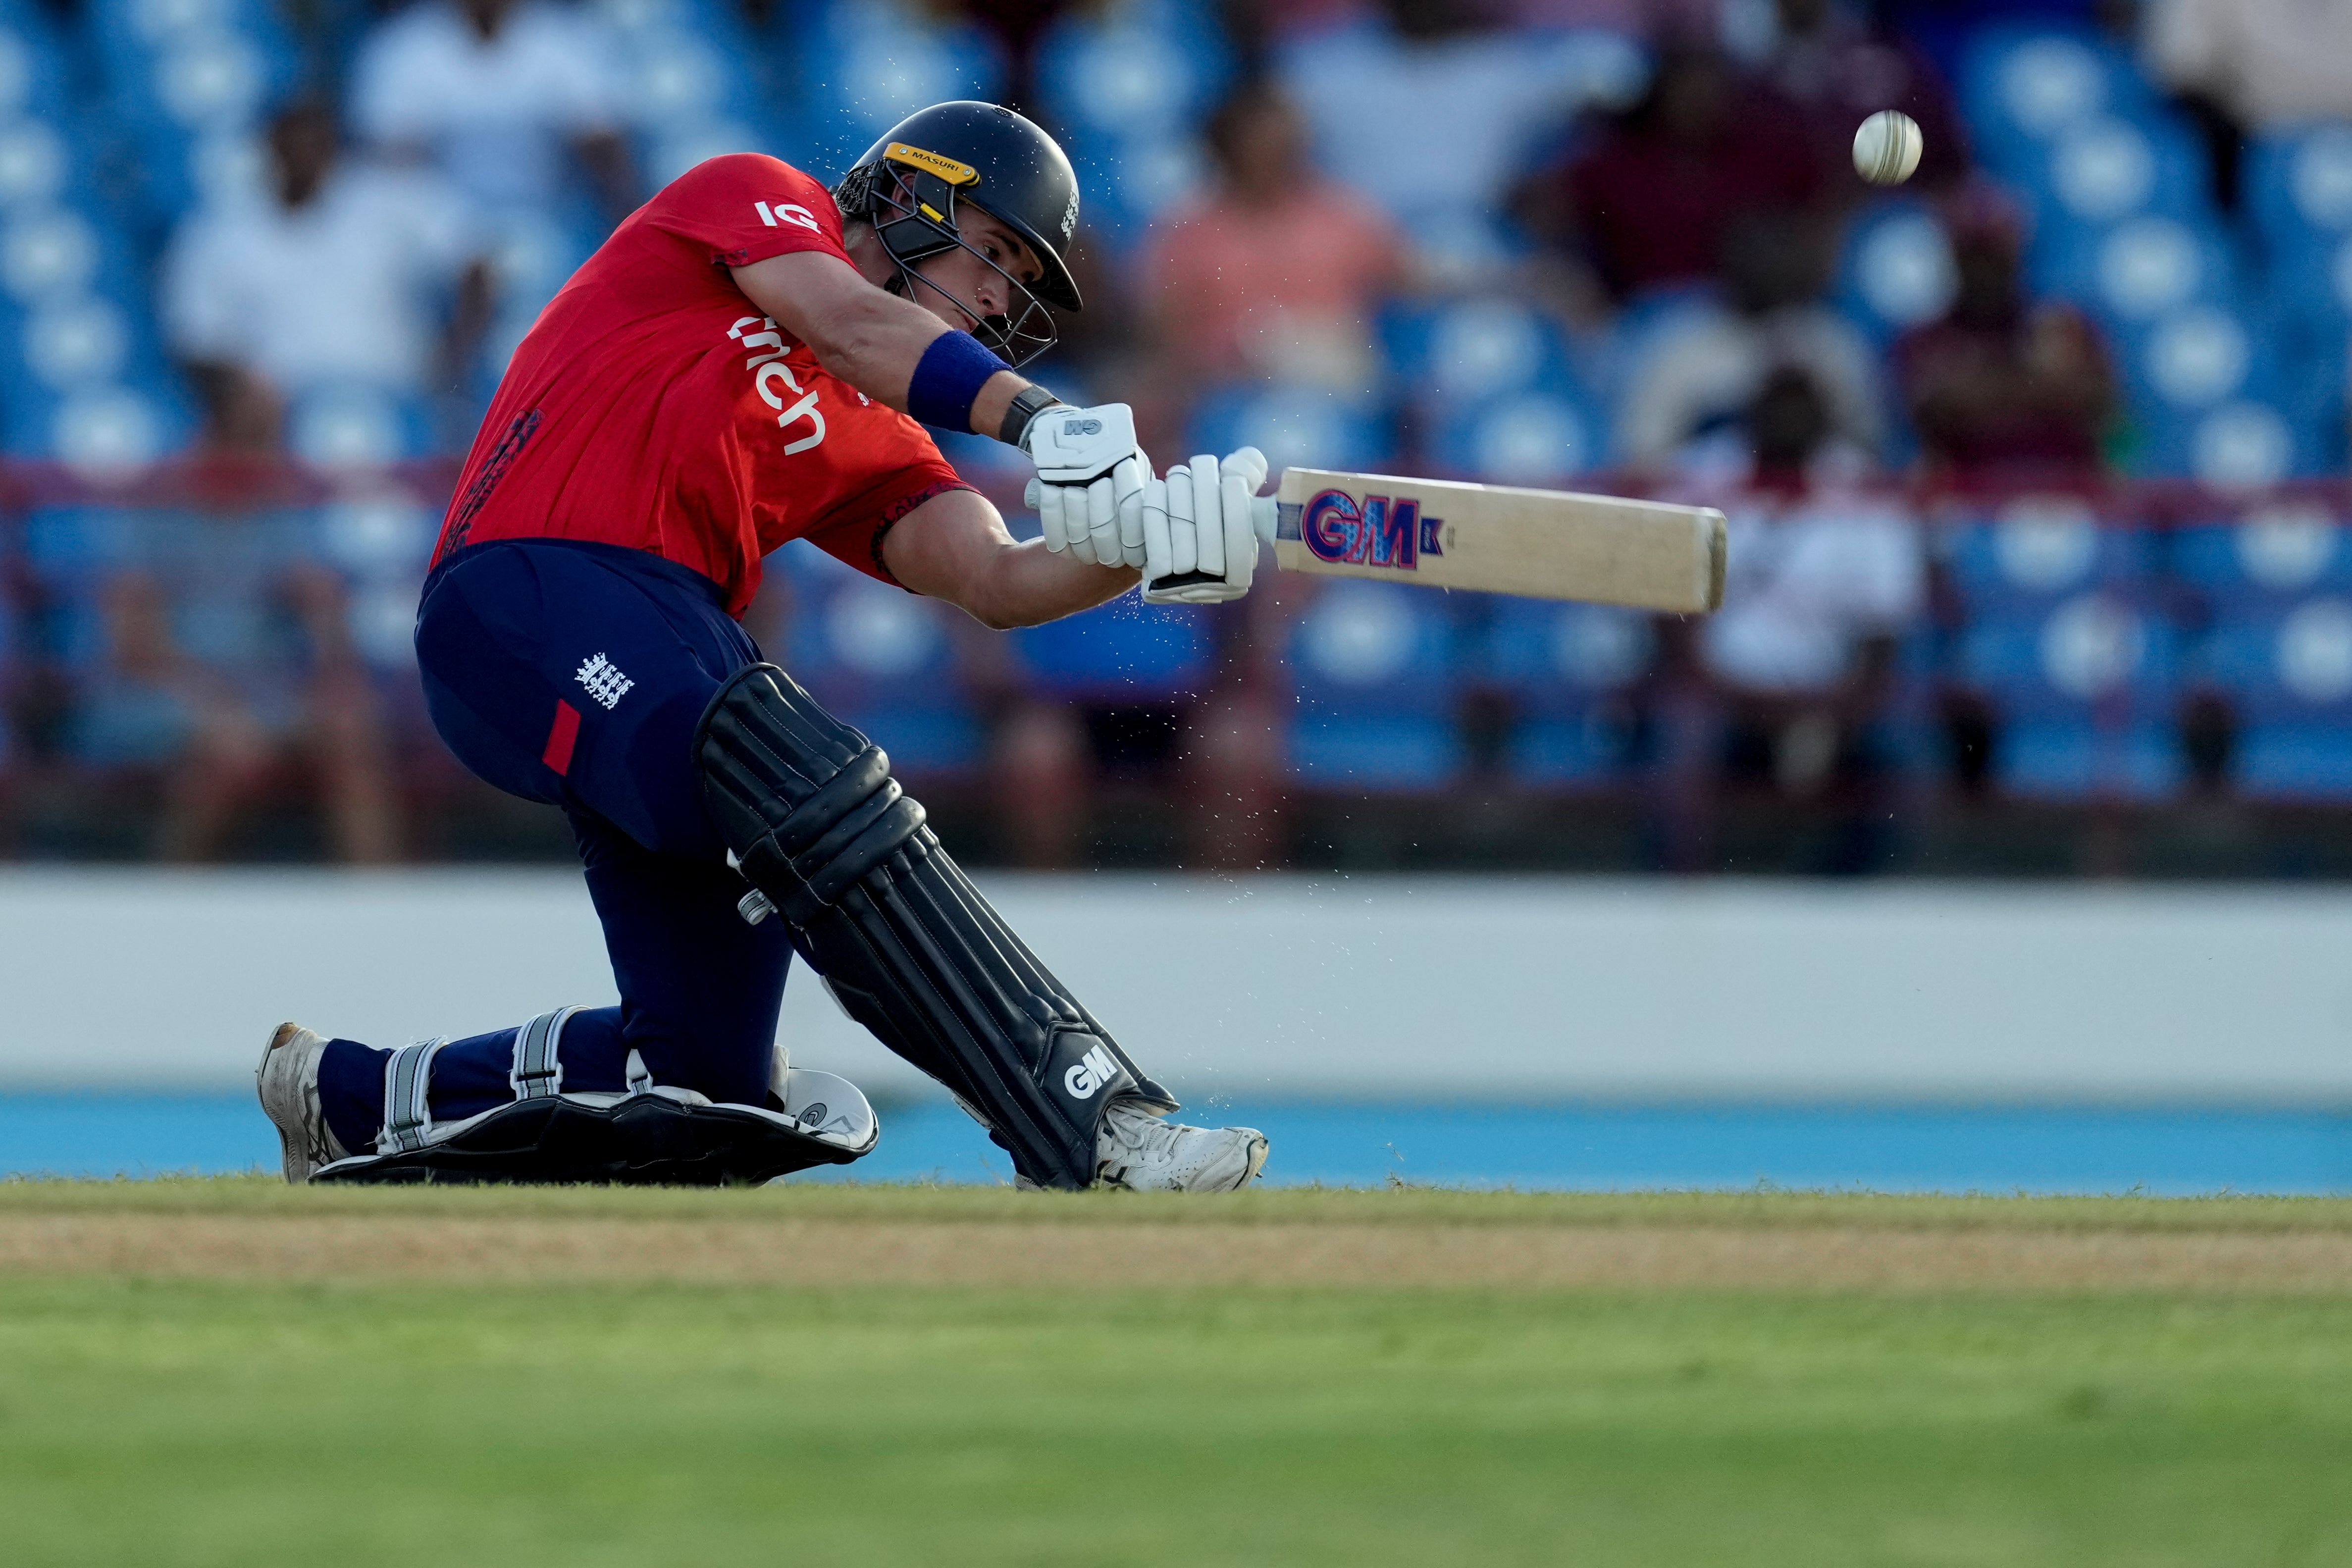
[562, 736]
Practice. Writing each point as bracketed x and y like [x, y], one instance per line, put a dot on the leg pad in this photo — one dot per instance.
[901, 936]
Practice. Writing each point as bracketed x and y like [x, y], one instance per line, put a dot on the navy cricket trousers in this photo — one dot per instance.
[574, 673]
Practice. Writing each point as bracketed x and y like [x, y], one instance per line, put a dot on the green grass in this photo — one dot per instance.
[258, 1194]
[149, 1423]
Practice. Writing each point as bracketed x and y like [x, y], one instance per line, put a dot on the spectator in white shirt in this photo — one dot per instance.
[1432, 113]
[339, 273]
[502, 95]
[1794, 674]
[1702, 367]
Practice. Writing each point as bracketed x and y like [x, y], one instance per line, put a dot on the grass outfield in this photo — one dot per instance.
[231, 1371]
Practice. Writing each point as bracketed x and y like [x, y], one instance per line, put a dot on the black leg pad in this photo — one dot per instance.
[644, 1140]
[899, 933]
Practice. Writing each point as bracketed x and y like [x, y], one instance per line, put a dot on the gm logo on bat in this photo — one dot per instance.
[1375, 531]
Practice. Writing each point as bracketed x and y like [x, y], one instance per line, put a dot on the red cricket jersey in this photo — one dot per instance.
[652, 405]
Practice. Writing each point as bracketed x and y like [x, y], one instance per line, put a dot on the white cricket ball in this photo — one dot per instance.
[1887, 147]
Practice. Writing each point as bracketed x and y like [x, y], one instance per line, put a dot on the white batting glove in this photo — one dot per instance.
[1088, 492]
[1199, 546]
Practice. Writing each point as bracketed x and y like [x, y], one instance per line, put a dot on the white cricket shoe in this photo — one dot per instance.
[1140, 1151]
[288, 1080]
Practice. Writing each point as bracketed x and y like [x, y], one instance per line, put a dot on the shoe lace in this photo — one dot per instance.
[1139, 1135]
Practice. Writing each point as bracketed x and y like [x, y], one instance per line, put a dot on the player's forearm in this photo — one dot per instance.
[1027, 586]
[955, 547]
[870, 339]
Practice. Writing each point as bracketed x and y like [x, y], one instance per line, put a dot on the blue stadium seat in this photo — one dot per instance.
[68, 552]
[188, 83]
[76, 343]
[104, 430]
[2141, 269]
[2286, 670]
[2299, 189]
[48, 252]
[31, 56]
[2212, 399]
[2038, 552]
[1122, 652]
[1472, 349]
[696, 81]
[1128, 88]
[2024, 83]
[883, 660]
[1295, 427]
[1377, 672]
[356, 426]
[1569, 670]
[865, 65]
[379, 545]
[1897, 269]
[1539, 437]
[2103, 171]
[1125, 184]
[1143, 68]
[2274, 556]
[2086, 693]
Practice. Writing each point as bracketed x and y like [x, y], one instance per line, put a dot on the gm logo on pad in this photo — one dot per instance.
[1095, 1068]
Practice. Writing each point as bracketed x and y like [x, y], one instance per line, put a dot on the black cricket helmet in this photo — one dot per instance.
[907, 186]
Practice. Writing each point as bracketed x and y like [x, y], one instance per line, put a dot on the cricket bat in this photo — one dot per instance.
[1544, 544]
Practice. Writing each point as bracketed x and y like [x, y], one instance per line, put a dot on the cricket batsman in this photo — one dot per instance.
[752, 359]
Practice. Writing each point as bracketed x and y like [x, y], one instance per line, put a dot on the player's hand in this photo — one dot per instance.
[1088, 492]
[1199, 546]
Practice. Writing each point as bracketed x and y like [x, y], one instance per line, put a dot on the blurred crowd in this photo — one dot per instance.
[2031, 462]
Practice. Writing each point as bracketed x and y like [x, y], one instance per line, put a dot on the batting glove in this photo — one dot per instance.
[1200, 542]
[1088, 492]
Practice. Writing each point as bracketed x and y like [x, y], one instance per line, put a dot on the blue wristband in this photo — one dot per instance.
[948, 377]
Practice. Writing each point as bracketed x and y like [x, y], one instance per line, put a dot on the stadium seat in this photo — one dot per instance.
[1128, 87]
[881, 659]
[38, 165]
[104, 431]
[32, 62]
[47, 253]
[2248, 443]
[1295, 427]
[1897, 269]
[379, 545]
[865, 65]
[2022, 84]
[1481, 347]
[1540, 437]
[2104, 170]
[2286, 671]
[696, 83]
[2273, 556]
[2038, 550]
[1119, 653]
[2299, 187]
[1568, 670]
[1127, 183]
[1376, 673]
[2141, 269]
[2213, 400]
[1141, 69]
[356, 426]
[2087, 694]
[188, 83]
